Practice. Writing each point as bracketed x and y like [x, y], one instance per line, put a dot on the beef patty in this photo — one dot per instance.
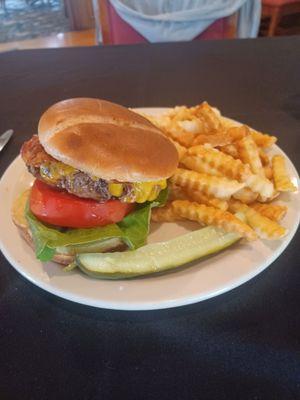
[41, 165]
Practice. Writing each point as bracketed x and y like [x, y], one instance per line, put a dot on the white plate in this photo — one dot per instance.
[198, 281]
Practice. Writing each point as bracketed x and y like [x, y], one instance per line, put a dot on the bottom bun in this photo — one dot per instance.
[18, 217]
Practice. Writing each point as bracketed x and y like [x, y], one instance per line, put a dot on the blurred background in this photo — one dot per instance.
[28, 24]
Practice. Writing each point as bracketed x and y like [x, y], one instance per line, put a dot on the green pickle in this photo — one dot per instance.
[156, 257]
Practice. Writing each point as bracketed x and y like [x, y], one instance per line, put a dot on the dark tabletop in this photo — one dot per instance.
[241, 345]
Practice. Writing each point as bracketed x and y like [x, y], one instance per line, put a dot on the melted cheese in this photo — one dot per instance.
[52, 172]
[141, 191]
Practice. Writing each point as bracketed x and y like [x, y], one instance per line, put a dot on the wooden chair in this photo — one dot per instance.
[116, 31]
[276, 9]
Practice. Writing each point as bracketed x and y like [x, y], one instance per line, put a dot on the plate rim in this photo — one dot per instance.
[147, 305]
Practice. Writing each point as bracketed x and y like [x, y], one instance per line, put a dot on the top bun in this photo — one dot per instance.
[106, 140]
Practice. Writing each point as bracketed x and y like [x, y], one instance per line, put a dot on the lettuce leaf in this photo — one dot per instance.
[132, 230]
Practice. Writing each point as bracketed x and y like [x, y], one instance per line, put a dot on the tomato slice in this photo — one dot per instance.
[60, 208]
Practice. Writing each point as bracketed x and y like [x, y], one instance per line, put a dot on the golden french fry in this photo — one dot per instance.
[238, 132]
[273, 211]
[261, 185]
[164, 214]
[245, 195]
[212, 216]
[264, 157]
[201, 119]
[192, 125]
[263, 226]
[172, 129]
[225, 164]
[177, 193]
[230, 149]
[181, 150]
[183, 137]
[268, 172]
[217, 139]
[200, 197]
[208, 115]
[216, 186]
[268, 199]
[249, 154]
[262, 139]
[280, 175]
[199, 165]
[222, 138]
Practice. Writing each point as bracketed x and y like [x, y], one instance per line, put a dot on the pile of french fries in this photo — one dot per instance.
[224, 169]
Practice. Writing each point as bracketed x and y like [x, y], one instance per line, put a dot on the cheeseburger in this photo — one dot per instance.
[98, 168]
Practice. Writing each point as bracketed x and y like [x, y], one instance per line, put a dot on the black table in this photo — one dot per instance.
[241, 345]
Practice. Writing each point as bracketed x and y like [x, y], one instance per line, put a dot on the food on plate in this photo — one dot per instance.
[165, 214]
[265, 228]
[273, 211]
[206, 215]
[249, 154]
[210, 185]
[280, 175]
[99, 169]
[103, 172]
[156, 257]
[224, 162]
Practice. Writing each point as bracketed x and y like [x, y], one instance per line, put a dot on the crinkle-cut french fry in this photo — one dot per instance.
[208, 115]
[249, 154]
[200, 197]
[216, 186]
[263, 226]
[230, 149]
[217, 139]
[268, 172]
[183, 137]
[222, 138]
[172, 129]
[190, 125]
[238, 132]
[165, 214]
[280, 175]
[177, 193]
[212, 216]
[260, 185]
[263, 139]
[273, 211]
[180, 113]
[227, 165]
[199, 165]
[268, 199]
[208, 120]
[264, 157]
[180, 149]
[245, 195]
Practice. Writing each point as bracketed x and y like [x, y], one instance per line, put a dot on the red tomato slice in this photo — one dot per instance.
[63, 209]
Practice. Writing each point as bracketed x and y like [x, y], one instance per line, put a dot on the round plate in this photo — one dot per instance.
[197, 281]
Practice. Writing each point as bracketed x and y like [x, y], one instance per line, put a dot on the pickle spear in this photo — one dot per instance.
[156, 257]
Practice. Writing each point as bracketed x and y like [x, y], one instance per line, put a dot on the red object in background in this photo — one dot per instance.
[116, 31]
[276, 9]
[60, 208]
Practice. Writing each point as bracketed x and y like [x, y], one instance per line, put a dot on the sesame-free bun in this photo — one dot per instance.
[107, 141]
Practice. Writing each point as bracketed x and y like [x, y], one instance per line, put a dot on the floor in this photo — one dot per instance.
[67, 39]
[20, 21]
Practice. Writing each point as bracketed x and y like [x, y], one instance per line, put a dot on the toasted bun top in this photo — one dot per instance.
[106, 140]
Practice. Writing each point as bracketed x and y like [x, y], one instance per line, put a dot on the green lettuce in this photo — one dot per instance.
[132, 230]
